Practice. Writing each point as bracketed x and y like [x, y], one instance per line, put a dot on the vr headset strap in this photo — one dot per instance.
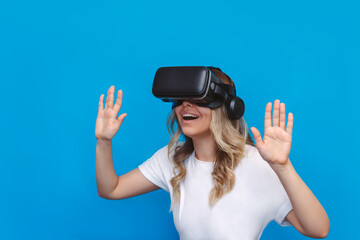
[219, 89]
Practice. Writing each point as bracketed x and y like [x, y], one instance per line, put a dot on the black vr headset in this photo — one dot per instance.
[198, 85]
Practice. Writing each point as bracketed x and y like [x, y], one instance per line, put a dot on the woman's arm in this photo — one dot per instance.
[107, 125]
[106, 178]
[307, 210]
[308, 216]
[109, 185]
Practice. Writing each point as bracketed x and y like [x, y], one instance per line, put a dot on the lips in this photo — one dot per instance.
[188, 116]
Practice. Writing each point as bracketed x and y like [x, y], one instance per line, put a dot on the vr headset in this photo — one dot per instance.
[199, 85]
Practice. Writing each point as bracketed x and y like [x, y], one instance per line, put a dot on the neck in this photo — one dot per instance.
[204, 147]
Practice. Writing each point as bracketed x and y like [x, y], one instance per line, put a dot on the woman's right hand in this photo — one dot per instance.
[106, 123]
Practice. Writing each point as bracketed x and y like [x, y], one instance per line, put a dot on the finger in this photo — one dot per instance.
[101, 103]
[282, 116]
[121, 118]
[111, 97]
[276, 113]
[118, 102]
[107, 98]
[257, 137]
[290, 123]
[268, 115]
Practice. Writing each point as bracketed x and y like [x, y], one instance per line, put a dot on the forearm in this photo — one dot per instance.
[307, 208]
[106, 177]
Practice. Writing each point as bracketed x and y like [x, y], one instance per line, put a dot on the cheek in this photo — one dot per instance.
[208, 120]
[206, 113]
[176, 111]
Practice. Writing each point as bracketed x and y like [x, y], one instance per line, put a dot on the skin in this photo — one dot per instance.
[106, 122]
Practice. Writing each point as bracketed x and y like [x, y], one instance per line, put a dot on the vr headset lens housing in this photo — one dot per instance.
[194, 84]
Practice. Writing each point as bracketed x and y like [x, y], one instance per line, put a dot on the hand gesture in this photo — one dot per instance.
[106, 123]
[275, 147]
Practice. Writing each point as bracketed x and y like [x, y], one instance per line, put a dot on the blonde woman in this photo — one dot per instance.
[221, 185]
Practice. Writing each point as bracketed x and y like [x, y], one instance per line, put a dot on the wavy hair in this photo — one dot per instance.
[230, 138]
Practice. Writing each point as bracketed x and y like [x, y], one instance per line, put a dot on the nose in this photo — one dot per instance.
[186, 103]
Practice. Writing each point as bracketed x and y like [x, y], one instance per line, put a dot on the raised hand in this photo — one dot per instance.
[107, 124]
[276, 145]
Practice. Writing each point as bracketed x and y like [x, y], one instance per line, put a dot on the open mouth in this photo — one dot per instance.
[189, 116]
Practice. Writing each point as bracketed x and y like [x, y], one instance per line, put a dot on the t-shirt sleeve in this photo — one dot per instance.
[284, 205]
[157, 169]
[284, 210]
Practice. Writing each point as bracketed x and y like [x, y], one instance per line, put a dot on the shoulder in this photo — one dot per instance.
[161, 155]
[260, 172]
[252, 159]
[164, 156]
[165, 150]
[251, 154]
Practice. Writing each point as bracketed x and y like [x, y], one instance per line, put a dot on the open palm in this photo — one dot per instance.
[106, 122]
[276, 145]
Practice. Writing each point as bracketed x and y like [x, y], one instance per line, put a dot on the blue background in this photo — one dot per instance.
[58, 57]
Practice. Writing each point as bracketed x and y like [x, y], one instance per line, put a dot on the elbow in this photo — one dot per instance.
[321, 232]
[324, 233]
[101, 195]
[104, 196]
[109, 196]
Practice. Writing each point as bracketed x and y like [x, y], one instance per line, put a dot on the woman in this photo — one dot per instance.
[221, 186]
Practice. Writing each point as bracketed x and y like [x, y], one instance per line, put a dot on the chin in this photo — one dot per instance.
[191, 133]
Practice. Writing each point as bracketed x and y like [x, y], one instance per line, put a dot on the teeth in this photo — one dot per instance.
[190, 115]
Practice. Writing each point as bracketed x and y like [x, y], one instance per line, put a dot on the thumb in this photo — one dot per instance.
[257, 137]
[121, 118]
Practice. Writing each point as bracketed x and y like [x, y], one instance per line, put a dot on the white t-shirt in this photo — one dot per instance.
[257, 198]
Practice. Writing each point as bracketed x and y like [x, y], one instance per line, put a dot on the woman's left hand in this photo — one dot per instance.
[276, 145]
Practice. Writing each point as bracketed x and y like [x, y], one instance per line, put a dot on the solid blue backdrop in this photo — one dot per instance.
[58, 57]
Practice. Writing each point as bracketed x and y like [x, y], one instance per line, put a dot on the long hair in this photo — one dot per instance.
[230, 138]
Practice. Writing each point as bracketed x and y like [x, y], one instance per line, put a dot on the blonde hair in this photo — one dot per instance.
[230, 138]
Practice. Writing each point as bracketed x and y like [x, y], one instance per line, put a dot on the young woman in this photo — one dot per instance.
[221, 185]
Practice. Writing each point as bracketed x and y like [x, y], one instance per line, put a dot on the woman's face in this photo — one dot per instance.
[194, 120]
